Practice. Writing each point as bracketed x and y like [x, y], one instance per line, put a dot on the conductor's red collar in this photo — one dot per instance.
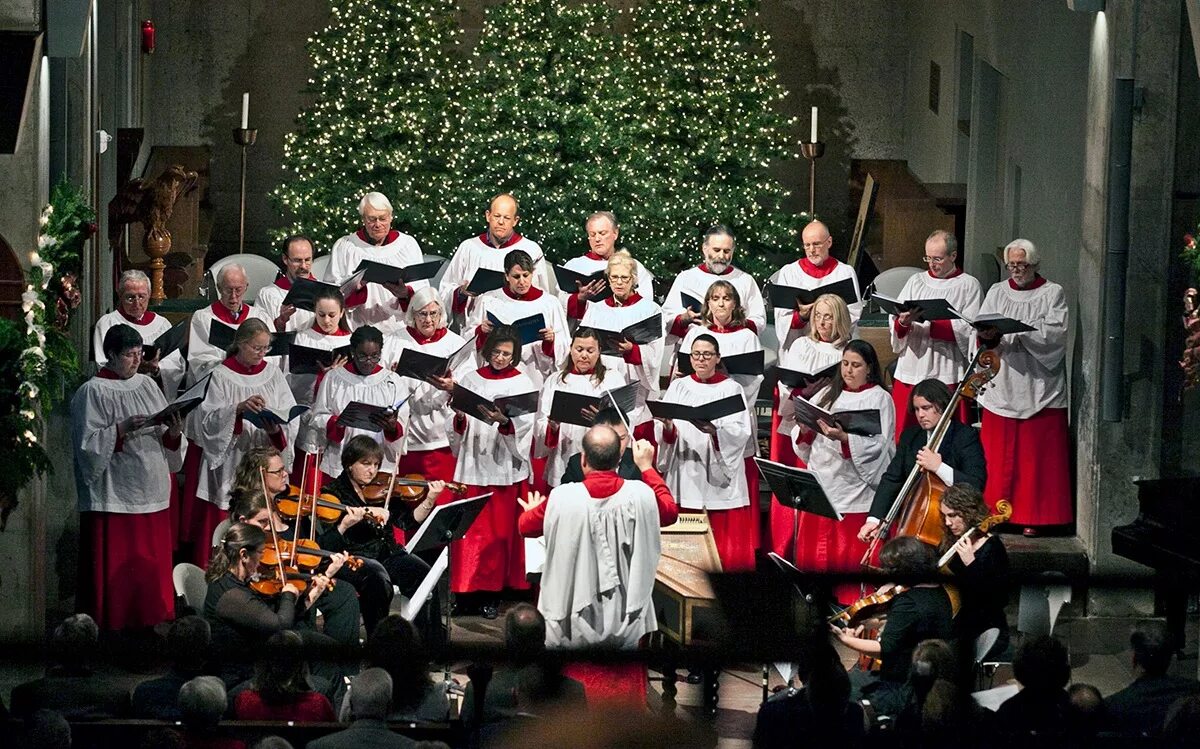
[602, 484]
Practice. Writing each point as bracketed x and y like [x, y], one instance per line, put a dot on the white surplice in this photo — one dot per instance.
[921, 356]
[570, 436]
[429, 407]
[486, 455]
[535, 361]
[804, 275]
[344, 385]
[613, 315]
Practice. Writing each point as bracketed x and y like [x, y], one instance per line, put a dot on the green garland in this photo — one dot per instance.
[38, 362]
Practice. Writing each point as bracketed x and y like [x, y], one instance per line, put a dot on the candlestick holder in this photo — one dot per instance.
[812, 152]
[245, 138]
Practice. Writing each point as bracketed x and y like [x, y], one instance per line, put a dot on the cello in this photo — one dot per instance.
[915, 512]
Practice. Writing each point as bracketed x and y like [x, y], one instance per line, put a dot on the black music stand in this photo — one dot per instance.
[798, 489]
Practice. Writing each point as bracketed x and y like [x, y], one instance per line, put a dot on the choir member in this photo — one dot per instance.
[520, 298]
[231, 309]
[379, 242]
[922, 612]
[815, 269]
[583, 372]
[615, 420]
[638, 363]
[219, 433]
[427, 445]
[493, 456]
[488, 250]
[325, 330]
[849, 466]
[297, 259]
[261, 474]
[361, 380]
[939, 348]
[123, 472]
[958, 460]
[979, 565]
[717, 248]
[602, 234]
[1025, 407]
[133, 298]
[818, 349]
[704, 463]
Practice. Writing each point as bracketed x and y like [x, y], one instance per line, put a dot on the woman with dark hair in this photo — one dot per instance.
[493, 453]
[850, 466]
[979, 565]
[920, 612]
[123, 475]
[517, 300]
[704, 463]
[361, 380]
[327, 331]
[396, 647]
[223, 428]
[281, 689]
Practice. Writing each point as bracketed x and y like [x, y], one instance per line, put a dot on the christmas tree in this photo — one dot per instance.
[386, 76]
[707, 114]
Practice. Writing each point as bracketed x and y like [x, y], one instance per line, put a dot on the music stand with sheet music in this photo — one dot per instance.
[798, 489]
[446, 523]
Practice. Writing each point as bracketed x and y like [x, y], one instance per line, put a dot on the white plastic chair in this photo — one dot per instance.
[260, 272]
[219, 533]
[190, 584]
[319, 266]
[891, 282]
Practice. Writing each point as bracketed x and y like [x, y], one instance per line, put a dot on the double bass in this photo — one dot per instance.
[916, 510]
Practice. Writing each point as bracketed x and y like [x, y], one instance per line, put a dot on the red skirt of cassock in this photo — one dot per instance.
[125, 563]
[491, 557]
[434, 465]
[905, 417]
[831, 546]
[1028, 463]
[781, 517]
[198, 518]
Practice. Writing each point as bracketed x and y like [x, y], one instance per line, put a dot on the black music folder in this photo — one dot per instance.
[791, 298]
[468, 401]
[691, 302]
[376, 272]
[995, 320]
[864, 422]
[749, 363]
[266, 417]
[797, 488]
[795, 378]
[421, 366]
[928, 309]
[485, 280]
[569, 281]
[169, 341]
[640, 333]
[309, 360]
[568, 407]
[303, 294]
[221, 336]
[365, 416]
[184, 403]
[529, 329]
[695, 414]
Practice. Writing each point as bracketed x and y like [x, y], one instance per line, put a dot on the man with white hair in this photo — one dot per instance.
[487, 250]
[133, 302]
[717, 248]
[230, 310]
[370, 702]
[603, 231]
[379, 242]
[815, 269]
[1024, 435]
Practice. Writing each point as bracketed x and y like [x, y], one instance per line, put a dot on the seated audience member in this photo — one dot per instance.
[370, 701]
[821, 711]
[70, 686]
[281, 689]
[396, 647]
[45, 729]
[272, 742]
[202, 702]
[1182, 723]
[932, 660]
[1139, 709]
[188, 640]
[1041, 708]
[495, 701]
[1087, 716]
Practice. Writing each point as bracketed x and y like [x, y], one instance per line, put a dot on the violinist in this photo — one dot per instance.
[366, 532]
[916, 613]
[262, 468]
[958, 460]
[979, 565]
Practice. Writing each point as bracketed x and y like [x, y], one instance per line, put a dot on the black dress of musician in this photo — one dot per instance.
[979, 566]
[958, 459]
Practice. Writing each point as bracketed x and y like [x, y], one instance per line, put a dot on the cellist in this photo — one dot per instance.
[958, 459]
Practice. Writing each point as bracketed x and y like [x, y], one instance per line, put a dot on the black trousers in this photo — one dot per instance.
[374, 581]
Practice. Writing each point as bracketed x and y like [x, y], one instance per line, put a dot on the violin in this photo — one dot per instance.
[329, 509]
[279, 577]
[873, 606]
[304, 553]
[411, 489]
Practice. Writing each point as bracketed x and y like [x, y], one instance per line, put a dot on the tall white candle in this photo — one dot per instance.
[813, 139]
[246, 112]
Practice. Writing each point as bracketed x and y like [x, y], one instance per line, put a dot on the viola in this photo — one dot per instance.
[411, 489]
[873, 606]
[329, 509]
[272, 579]
[1003, 512]
[304, 553]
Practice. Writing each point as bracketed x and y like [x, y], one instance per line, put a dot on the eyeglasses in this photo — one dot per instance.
[620, 278]
[377, 220]
[258, 349]
[135, 297]
[1016, 266]
[367, 357]
[428, 314]
[277, 472]
[236, 290]
[500, 352]
[934, 258]
[703, 355]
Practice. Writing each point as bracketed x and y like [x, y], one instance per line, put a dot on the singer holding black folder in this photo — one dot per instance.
[427, 447]
[602, 234]
[221, 430]
[493, 454]
[230, 310]
[321, 345]
[849, 466]
[126, 487]
[814, 270]
[704, 462]
[133, 309]
[296, 259]
[815, 357]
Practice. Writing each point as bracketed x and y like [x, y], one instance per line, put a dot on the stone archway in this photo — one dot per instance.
[12, 282]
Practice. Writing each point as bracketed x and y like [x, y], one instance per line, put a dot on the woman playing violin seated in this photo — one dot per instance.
[920, 612]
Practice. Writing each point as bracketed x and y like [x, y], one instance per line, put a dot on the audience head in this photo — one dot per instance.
[281, 672]
[371, 694]
[1087, 710]
[1182, 722]
[272, 742]
[162, 738]
[933, 660]
[601, 449]
[188, 640]
[1153, 647]
[75, 639]
[1042, 664]
[524, 633]
[45, 729]
[202, 701]
[396, 648]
